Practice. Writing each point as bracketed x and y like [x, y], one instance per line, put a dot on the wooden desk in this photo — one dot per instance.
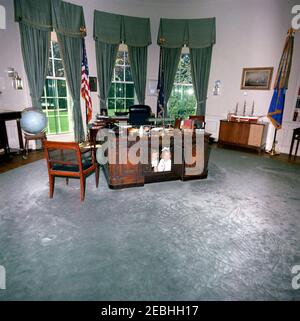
[120, 174]
[243, 134]
[6, 115]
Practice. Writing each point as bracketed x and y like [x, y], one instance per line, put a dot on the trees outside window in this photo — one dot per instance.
[182, 102]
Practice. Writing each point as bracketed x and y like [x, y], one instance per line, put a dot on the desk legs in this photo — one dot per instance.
[21, 144]
[3, 137]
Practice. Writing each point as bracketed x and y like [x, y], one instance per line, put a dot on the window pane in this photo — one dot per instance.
[119, 73]
[51, 103]
[52, 122]
[64, 121]
[56, 51]
[119, 104]
[111, 104]
[63, 104]
[50, 88]
[128, 76]
[120, 58]
[62, 88]
[50, 68]
[129, 102]
[126, 58]
[119, 90]
[59, 69]
[129, 91]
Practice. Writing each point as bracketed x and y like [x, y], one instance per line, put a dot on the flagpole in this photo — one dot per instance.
[86, 121]
[275, 113]
[273, 151]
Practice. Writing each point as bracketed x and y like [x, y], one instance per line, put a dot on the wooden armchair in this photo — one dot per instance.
[66, 159]
[198, 120]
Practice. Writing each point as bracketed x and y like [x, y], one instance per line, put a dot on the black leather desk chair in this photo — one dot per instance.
[139, 114]
[296, 137]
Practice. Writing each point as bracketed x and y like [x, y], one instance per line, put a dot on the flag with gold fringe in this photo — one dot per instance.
[276, 108]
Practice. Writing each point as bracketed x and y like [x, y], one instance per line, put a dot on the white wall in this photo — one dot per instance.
[250, 33]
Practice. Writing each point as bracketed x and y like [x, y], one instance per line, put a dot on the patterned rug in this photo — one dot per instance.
[233, 236]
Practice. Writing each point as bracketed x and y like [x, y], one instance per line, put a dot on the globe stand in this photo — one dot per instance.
[40, 136]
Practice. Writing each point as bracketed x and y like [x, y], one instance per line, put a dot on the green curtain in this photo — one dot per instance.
[109, 31]
[170, 60]
[68, 22]
[200, 68]
[106, 55]
[138, 64]
[34, 17]
[35, 50]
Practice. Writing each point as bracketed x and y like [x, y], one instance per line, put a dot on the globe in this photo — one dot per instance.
[33, 120]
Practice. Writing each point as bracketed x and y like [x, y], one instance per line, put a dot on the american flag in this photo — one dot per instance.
[85, 84]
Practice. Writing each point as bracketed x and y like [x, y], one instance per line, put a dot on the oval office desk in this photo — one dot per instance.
[120, 174]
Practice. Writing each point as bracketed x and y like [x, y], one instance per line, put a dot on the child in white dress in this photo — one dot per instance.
[165, 163]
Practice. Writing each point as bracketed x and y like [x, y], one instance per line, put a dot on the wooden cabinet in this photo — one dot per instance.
[243, 134]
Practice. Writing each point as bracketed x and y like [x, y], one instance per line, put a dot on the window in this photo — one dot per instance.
[182, 102]
[55, 99]
[121, 94]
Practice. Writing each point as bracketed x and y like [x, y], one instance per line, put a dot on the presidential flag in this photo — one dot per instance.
[276, 108]
[85, 84]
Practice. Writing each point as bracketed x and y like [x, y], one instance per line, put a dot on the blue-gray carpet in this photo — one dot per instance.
[234, 236]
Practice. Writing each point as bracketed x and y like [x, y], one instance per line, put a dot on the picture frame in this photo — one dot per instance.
[258, 78]
[152, 87]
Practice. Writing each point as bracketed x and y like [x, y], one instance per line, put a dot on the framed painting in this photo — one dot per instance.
[257, 78]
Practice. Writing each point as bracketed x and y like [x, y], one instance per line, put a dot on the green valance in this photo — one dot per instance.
[36, 13]
[107, 27]
[113, 29]
[68, 19]
[136, 31]
[194, 33]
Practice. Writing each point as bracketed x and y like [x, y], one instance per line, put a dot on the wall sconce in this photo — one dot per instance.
[217, 88]
[16, 79]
